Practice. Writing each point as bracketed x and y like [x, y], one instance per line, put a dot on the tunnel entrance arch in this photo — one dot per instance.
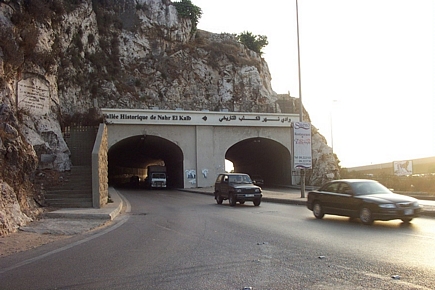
[131, 156]
[198, 142]
[264, 157]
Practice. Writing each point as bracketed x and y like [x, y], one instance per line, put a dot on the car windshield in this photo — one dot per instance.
[240, 179]
[365, 188]
[159, 175]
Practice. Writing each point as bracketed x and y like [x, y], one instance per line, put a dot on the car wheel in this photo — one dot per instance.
[317, 211]
[257, 202]
[219, 198]
[407, 220]
[365, 215]
[232, 200]
[242, 202]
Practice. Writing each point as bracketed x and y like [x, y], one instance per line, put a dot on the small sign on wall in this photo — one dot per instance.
[33, 95]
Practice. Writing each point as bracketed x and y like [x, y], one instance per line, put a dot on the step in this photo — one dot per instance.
[75, 204]
[73, 189]
[58, 195]
[70, 186]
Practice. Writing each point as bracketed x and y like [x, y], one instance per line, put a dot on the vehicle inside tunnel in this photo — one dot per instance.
[129, 158]
[262, 157]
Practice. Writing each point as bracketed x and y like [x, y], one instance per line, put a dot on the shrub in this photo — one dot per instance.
[186, 9]
[253, 42]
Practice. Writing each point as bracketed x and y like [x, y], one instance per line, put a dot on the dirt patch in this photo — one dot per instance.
[23, 241]
[46, 231]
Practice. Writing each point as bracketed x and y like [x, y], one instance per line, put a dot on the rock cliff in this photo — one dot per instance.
[60, 61]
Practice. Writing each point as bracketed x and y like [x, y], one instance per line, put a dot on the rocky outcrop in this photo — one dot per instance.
[325, 162]
[18, 162]
[60, 61]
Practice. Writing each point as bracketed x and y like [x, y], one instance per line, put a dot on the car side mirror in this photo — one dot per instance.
[348, 191]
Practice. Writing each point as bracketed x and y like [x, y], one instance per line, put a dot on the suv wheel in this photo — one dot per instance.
[232, 200]
[219, 198]
[257, 201]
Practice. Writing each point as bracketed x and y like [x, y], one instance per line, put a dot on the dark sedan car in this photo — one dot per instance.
[257, 180]
[365, 199]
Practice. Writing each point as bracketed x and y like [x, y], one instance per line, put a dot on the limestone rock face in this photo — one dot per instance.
[324, 161]
[18, 162]
[60, 61]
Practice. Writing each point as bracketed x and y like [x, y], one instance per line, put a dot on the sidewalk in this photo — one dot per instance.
[72, 221]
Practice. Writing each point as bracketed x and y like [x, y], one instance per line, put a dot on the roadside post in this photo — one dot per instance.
[302, 167]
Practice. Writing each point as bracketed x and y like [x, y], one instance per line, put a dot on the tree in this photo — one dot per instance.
[253, 42]
[186, 9]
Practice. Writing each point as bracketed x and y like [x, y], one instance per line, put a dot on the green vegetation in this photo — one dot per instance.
[186, 9]
[253, 42]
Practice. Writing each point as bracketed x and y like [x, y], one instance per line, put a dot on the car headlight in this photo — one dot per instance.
[238, 190]
[387, 205]
[416, 204]
[257, 190]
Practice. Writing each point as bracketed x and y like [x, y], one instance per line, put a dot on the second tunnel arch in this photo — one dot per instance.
[262, 156]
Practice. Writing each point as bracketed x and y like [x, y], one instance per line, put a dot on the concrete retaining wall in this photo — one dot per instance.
[100, 168]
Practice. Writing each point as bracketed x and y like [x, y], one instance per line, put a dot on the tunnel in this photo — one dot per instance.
[264, 157]
[131, 156]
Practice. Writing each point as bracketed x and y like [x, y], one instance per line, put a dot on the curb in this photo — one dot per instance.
[117, 204]
[284, 201]
[427, 213]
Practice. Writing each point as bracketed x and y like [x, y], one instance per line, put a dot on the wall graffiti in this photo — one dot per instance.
[191, 174]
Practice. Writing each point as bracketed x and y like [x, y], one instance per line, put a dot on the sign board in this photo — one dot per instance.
[402, 167]
[196, 118]
[302, 145]
[33, 95]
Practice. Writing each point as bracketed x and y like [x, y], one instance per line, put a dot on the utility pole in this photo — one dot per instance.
[301, 112]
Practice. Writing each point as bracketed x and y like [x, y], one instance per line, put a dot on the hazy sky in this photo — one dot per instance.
[367, 68]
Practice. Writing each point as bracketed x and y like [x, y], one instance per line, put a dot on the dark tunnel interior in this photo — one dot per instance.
[132, 155]
[264, 157]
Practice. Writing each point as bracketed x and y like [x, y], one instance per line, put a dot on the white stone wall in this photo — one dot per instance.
[203, 147]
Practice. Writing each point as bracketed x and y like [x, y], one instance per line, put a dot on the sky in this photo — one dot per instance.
[367, 68]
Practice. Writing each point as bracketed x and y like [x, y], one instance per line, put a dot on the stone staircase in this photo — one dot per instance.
[72, 190]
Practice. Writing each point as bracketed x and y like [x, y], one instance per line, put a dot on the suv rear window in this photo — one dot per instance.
[240, 179]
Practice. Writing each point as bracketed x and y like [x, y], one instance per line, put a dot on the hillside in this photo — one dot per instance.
[84, 55]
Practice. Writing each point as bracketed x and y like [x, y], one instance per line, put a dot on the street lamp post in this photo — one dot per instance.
[301, 111]
[332, 121]
[332, 134]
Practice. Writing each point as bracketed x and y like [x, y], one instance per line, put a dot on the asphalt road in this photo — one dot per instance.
[181, 240]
